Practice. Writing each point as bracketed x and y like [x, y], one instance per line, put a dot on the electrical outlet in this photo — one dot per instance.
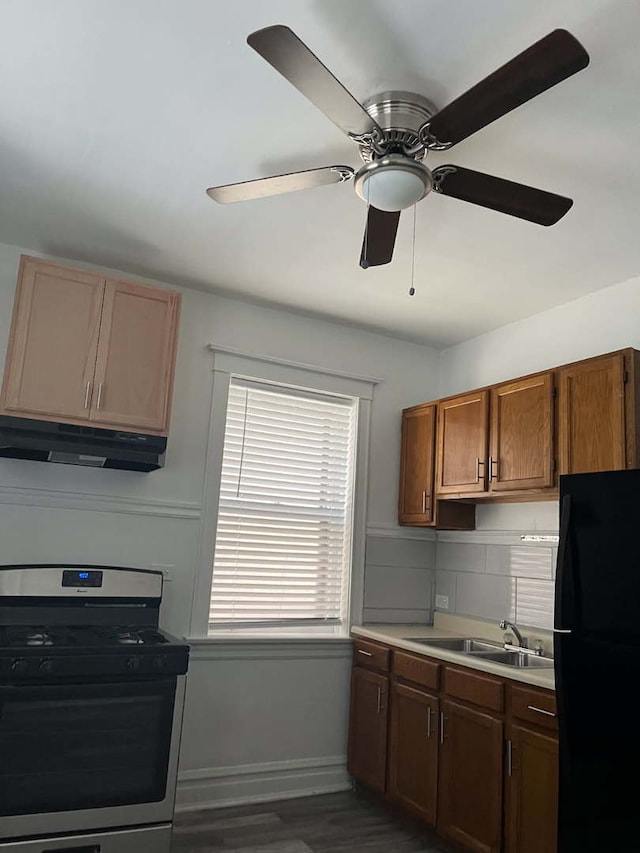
[442, 602]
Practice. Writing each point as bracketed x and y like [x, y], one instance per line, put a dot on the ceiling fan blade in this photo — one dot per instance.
[290, 56]
[499, 194]
[379, 237]
[278, 184]
[543, 65]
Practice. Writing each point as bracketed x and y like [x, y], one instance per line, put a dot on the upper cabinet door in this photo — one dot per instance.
[136, 356]
[53, 343]
[462, 444]
[522, 434]
[416, 465]
[591, 409]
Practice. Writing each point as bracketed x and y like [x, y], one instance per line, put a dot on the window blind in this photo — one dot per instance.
[283, 542]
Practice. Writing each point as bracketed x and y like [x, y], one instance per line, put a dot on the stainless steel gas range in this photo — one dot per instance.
[91, 700]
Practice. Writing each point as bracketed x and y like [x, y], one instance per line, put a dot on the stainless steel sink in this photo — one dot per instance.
[457, 644]
[516, 659]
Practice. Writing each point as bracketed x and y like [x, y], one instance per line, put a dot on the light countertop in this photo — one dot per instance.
[395, 635]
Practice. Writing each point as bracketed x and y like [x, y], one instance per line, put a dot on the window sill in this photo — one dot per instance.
[233, 646]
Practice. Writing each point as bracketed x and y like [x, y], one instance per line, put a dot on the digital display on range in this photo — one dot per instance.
[82, 577]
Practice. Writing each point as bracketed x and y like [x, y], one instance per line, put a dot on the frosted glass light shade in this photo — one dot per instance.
[393, 182]
[393, 189]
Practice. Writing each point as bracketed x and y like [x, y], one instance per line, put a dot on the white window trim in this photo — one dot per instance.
[226, 363]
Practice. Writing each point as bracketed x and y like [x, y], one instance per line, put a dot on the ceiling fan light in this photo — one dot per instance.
[393, 183]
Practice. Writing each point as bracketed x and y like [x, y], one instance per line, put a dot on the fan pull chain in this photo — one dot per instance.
[412, 289]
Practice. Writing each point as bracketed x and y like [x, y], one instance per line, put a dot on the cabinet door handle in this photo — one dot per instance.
[479, 462]
[509, 758]
[493, 475]
[424, 501]
[428, 721]
[99, 396]
[379, 699]
[366, 654]
[87, 395]
[443, 720]
[540, 711]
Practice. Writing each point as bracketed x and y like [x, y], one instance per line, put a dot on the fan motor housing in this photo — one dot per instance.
[400, 115]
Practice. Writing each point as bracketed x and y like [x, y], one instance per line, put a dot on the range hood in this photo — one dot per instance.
[45, 441]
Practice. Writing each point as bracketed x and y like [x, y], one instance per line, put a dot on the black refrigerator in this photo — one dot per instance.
[597, 662]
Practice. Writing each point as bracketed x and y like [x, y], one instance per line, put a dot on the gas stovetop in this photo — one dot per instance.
[78, 636]
[84, 623]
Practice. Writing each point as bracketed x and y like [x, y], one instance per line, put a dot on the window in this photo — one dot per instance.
[283, 542]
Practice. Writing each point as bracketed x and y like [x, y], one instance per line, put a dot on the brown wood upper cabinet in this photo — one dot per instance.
[84, 348]
[462, 444]
[498, 439]
[522, 434]
[597, 414]
[416, 465]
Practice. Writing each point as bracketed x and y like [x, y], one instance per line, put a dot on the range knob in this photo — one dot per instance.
[133, 663]
[159, 664]
[46, 665]
[19, 666]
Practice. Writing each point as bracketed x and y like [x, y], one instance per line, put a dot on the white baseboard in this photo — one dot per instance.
[218, 787]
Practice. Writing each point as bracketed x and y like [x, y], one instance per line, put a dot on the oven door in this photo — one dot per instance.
[88, 756]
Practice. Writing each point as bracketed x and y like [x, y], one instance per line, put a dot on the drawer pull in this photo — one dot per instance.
[366, 654]
[540, 711]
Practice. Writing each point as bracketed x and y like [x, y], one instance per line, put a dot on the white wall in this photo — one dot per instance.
[239, 711]
[600, 322]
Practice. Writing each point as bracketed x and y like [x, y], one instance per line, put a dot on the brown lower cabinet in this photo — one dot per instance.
[413, 751]
[368, 728]
[531, 791]
[473, 755]
[470, 783]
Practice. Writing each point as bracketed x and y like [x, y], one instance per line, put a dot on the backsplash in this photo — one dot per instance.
[399, 579]
[496, 581]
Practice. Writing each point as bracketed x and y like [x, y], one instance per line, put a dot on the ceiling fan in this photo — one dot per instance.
[395, 130]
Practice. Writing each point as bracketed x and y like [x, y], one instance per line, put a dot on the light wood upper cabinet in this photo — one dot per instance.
[522, 434]
[462, 444]
[591, 416]
[53, 342]
[134, 367]
[83, 348]
[416, 465]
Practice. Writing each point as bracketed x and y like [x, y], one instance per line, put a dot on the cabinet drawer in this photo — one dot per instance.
[370, 655]
[534, 706]
[417, 669]
[478, 689]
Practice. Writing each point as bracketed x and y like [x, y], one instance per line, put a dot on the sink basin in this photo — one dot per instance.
[457, 644]
[517, 659]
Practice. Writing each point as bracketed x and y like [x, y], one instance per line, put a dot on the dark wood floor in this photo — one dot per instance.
[333, 823]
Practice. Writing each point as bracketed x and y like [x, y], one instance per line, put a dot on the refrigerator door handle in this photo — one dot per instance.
[565, 600]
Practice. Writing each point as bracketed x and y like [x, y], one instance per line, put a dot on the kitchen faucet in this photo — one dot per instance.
[504, 624]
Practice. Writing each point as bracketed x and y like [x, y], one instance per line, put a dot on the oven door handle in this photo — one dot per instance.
[87, 848]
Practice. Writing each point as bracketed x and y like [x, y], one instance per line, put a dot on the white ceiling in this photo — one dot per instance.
[115, 115]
